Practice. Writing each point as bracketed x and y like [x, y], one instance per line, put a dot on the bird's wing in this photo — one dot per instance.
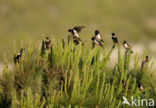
[78, 28]
[93, 38]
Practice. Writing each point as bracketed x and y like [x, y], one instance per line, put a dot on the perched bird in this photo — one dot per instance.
[114, 38]
[47, 43]
[124, 83]
[126, 46]
[95, 41]
[98, 36]
[144, 63]
[140, 86]
[75, 31]
[17, 58]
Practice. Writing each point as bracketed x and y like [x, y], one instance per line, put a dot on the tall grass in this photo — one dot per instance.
[72, 76]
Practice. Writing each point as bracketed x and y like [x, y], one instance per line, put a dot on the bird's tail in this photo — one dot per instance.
[102, 40]
[79, 39]
[100, 44]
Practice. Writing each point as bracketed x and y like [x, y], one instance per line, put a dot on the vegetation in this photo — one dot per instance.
[27, 19]
[73, 76]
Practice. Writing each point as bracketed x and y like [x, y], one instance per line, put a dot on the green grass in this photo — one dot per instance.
[88, 80]
[27, 19]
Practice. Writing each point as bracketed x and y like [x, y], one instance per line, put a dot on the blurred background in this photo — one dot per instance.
[131, 20]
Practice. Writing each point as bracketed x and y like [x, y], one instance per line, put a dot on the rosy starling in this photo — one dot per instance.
[126, 46]
[75, 31]
[114, 38]
[17, 58]
[144, 63]
[95, 41]
[47, 43]
[123, 83]
[140, 86]
[98, 36]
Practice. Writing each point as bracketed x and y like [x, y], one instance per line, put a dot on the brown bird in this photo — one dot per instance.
[114, 38]
[123, 83]
[144, 63]
[17, 58]
[140, 86]
[75, 31]
[47, 43]
[126, 46]
[98, 36]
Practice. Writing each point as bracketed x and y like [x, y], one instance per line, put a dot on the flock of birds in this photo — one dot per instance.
[96, 40]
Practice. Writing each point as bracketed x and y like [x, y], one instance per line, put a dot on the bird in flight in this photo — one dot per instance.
[18, 56]
[126, 46]
[144, 63]
[47, 43]
[74, 31]
[114, 38]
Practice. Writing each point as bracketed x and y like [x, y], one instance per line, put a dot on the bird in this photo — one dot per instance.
[18, 56]
[74, 31]
[144, 63]
[47, 43]
[98, 36]
[124, 83]
[126, 46]
[140, 86]
[95, 41]
[115, 38]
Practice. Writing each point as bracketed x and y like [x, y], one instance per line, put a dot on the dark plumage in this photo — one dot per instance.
[126, 46]
[18, 56]
[114, 38]
[47, 43]
[144, 63]
[76, 41]
[74, 31]
[95, 41]
[98, 36]
[124, 83]
[78, 28]
[140, 86]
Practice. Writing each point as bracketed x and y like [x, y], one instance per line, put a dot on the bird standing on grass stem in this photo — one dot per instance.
[97, 39]
[47, 43]
[126, 46]
[144, 63]
[17, 58]
[98, 36]
[115, 39]
[140, 86]
[123, 83]
[74, 32]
